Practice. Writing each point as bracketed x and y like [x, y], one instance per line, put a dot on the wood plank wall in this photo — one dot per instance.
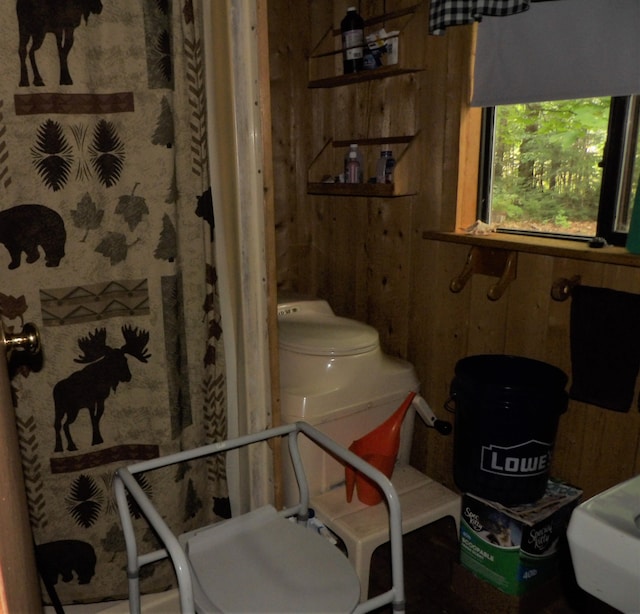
[367, 257]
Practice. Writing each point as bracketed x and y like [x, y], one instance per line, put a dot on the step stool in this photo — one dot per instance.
[363, 527]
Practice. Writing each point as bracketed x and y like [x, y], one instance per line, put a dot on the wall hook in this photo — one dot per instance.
[488, 261]
[562, 287]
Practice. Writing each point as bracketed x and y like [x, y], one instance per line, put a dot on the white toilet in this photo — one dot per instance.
[334, 375]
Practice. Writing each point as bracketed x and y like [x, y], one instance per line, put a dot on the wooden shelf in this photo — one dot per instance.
[325, 60]
[325, 68]
[331, 157]
[384, 72]
[369, 190]
[577, 250]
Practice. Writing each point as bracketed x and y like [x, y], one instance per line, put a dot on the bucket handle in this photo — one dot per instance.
[426, 413]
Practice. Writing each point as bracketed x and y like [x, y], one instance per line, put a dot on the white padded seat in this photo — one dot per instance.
[266, 547]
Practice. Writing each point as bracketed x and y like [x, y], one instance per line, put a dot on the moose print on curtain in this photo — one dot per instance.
[107, 230]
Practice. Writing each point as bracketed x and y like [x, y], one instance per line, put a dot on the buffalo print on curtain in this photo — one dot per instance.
[107, 230]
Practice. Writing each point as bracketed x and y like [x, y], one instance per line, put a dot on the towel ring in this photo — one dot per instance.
[562, 287]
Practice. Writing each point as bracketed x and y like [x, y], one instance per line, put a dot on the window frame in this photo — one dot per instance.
[616, 171]
[617, 157]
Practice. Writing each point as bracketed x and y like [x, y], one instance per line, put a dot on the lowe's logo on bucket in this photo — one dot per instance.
[522, 460]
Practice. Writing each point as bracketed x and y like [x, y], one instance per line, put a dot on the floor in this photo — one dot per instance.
[435, 584]
[160, 603]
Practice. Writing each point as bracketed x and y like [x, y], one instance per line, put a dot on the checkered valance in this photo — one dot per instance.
[445, 13]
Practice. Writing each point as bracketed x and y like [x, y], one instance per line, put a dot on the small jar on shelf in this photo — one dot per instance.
[385, 166]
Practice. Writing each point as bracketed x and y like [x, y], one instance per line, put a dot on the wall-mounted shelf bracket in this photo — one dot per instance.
[488, 261]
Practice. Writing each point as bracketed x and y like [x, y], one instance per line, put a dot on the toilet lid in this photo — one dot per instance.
[327, 336]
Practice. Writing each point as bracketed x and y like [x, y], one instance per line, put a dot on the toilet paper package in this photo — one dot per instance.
[515, 548]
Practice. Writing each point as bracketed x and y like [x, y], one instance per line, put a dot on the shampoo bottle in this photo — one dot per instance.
[354, 148]
[353, 168]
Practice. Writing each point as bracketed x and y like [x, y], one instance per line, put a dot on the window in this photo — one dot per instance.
[562, 168]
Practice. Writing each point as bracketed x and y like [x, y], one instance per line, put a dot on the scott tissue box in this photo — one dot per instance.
[515, 548]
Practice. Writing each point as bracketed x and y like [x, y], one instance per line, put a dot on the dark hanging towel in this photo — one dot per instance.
[605, 346]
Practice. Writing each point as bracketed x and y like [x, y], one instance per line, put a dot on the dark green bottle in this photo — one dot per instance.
[633, 235]
[352, 28]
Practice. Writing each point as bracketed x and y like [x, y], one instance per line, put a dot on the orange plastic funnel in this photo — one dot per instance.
[380, 449]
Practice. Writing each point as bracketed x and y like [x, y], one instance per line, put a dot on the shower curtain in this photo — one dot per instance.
[108, 245]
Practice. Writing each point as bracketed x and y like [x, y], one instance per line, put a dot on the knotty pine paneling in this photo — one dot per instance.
[528, 308]
[388, 271]
[291, 130]
[438, 338]
[368, 257]
[595, 448]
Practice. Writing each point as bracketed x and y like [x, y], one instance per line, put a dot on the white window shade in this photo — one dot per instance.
[558, 51]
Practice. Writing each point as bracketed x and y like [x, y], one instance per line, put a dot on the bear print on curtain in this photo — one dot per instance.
[107, 230]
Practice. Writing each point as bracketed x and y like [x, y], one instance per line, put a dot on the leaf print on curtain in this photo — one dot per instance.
[107, 153]
[52, 155]
[108, 235]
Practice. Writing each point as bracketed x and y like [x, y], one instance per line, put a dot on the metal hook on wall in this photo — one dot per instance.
[562, 287]
[488, 261]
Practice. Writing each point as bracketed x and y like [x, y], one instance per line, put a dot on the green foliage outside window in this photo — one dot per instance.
[547, 165]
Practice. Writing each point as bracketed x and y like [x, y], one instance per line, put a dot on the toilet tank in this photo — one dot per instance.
[345, 425]
[343, 395]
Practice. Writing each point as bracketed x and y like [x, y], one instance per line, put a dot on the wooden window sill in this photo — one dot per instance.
[539, 245]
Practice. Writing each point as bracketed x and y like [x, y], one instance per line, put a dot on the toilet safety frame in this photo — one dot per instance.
[126, 484]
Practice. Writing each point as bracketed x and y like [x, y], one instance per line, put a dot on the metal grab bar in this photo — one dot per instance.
[125, 482]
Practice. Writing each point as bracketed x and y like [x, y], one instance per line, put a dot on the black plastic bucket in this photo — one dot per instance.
[507, 410]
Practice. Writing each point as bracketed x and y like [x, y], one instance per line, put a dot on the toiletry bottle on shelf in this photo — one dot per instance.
[385, 166]
[352, 29]
[354, 148]
[353, 168]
